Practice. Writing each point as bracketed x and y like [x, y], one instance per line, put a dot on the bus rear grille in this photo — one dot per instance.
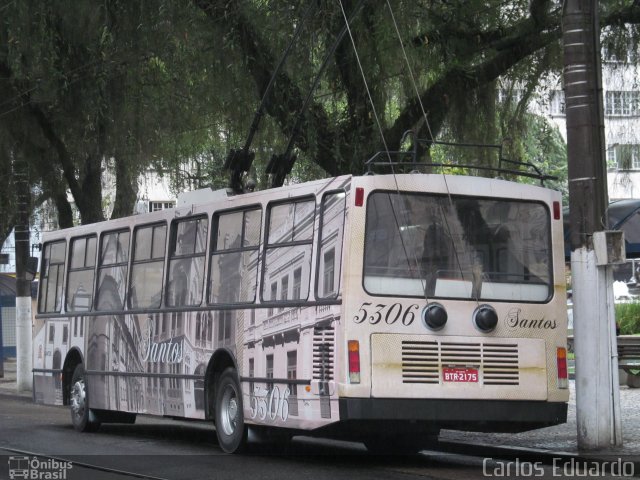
[500, 364]
[421, 361]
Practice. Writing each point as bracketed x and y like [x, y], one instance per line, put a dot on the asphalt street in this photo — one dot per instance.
[158, 448]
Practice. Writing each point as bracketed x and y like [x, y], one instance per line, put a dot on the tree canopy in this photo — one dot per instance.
[138, 85]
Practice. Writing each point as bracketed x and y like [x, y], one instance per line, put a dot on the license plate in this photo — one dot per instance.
[460, 374]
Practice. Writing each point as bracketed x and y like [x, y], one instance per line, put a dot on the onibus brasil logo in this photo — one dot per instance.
[34, 468]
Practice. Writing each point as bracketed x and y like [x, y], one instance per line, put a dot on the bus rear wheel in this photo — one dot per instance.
[83, 419]
[230, 428]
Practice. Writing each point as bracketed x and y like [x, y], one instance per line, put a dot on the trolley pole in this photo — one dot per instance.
[597, 391]
[24, 377]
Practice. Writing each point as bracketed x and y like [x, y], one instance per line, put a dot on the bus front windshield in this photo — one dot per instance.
[438, 246]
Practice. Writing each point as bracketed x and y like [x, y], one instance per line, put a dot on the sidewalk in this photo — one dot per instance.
[562, 439]
[559, 440]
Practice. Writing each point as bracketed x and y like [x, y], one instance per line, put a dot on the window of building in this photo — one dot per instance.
[52, 272]
[328, 274]
[157, 206]
[65, 334]
[225, 326]
[330, 245]
[112, 270]
[617, 55]
[627, 156]
[297, 279]
[622, 103]
[148, 266]
[234, 257]
[251, 376]
[557, 103]
[292, 369]
[290, 235]
[52, 333]
[513, 95]
[269, 371]
[284, 289]
[274, 294]
[187, 262]
[81, 274]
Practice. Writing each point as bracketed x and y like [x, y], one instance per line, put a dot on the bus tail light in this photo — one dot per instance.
[563, 373]
[354, 361]
[359, 196]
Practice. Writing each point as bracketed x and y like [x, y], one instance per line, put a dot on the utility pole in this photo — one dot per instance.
[597, 391]
[24, 329]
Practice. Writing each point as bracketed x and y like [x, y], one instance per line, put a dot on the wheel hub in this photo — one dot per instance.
[229, 415]
[78, 399]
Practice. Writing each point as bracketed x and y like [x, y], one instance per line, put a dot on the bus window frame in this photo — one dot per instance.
[99, 266]
[336, 294]
[170, 247]
[64, 279]
[132, 262]
[71, 270]
[213, 243]
[550, 284]
[267, 245]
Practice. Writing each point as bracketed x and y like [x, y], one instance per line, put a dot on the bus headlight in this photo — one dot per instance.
[434, 316]
[485, 318]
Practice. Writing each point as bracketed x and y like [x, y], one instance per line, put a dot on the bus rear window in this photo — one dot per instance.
[457, 247]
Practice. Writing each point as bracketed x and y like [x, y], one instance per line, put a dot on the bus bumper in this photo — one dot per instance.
[468, 415]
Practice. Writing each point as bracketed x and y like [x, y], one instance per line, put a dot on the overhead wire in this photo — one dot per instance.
[379, 124]
[426, 119]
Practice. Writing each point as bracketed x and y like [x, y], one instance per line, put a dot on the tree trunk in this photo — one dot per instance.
[126, 188]
[63, 207]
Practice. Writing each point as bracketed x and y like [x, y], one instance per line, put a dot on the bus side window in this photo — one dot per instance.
[112, 270]
[149, 243]
[234, 257]
[187, 262]
[330, 243]
[81, 277]
[288, 251]
[52, 271]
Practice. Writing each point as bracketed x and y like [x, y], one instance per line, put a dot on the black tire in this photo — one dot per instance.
[229, 414]
[82, 418]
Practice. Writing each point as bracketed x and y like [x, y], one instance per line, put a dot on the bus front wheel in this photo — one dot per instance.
[230, 427]
[83, 419]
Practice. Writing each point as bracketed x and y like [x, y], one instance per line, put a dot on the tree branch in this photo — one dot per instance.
[286, 98]
[47, 129]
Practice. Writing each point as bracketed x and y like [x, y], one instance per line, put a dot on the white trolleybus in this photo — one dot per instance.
[379, 308]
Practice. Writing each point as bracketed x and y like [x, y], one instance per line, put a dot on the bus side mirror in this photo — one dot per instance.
[32, 268]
